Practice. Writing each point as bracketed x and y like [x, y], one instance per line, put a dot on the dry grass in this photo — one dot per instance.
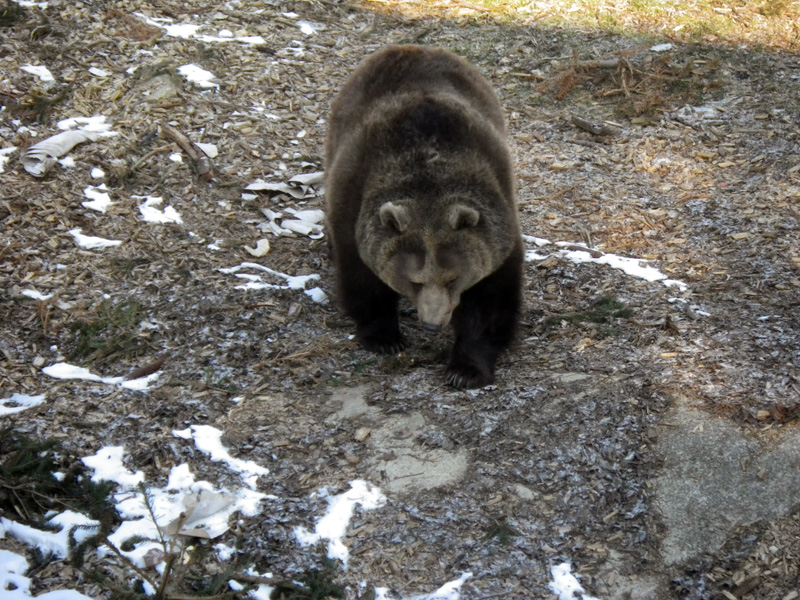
[770, 24]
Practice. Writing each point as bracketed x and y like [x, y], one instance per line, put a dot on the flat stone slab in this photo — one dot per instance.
[715, 477]
[396, 459]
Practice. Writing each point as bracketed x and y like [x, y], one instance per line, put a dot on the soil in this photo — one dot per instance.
[656, 450]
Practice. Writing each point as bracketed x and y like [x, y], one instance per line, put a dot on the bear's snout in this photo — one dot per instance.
[434, 307]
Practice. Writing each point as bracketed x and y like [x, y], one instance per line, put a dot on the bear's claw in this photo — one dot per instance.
[381, 342]
[462, 376]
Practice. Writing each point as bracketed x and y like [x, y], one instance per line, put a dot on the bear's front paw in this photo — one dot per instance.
[466, 375]
[380, 341]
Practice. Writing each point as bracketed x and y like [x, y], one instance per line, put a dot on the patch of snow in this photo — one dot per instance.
[333, 525]
[91, 242]
[184, 506]
[68, 371]
[292, 282]
[209, 440]
[629, 266]
[5, 156]
[56, 540]
[17, 403]
[151, 214]
[42, 72]
[262, 592]
[99, 199]
[661, 47]
[317, 295]
[224, 552]
[308, 28]
[531, 239]
[96, 124]
[210, 150]
[107, 465]
[35, 295]
[15, 586]
[449, 591]
[564, 583]
[179, 30]
[197, 75]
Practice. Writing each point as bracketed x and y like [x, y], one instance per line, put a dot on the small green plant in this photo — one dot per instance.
[216, 381]
[36, 105]
[312, 584]
[39, 476]
[111, 333]
[10, 13]
[603, 313]
[500, 530]
[125, 266]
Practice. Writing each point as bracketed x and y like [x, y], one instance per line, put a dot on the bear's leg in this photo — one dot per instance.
[372, 305]
[485, 323]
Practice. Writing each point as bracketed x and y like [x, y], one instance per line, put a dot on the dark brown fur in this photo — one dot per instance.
[420, 197]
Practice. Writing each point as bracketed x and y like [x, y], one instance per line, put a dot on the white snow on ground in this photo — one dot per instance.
[91, 242]
[333, 525]
[36, 295]
[255, 282]
[564, 583]
[99, 199]
[152, 214]
[19, 402]
[188, 30]
[15, 586]
[96, 124]
[5, 156]
[107, 466]
[185, 507]
[68, 371]
[198, 76]
[54, 541]
[262, 592]
[449, 591]
[208, 440]
[210, 150]
[580, 254]
[42, 72]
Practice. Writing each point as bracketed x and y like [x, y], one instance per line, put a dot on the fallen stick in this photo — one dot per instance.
[593, 128]
[205, 169]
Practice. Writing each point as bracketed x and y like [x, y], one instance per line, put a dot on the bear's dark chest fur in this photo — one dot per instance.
[420, 203]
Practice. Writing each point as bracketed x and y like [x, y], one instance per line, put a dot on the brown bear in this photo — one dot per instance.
[420, 203]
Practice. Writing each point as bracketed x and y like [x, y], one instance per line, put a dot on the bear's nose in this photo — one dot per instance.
[431, 327]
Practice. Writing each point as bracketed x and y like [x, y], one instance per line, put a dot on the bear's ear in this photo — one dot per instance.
[462, 216]
[394, 216]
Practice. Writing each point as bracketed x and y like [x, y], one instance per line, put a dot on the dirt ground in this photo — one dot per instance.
[652, 444]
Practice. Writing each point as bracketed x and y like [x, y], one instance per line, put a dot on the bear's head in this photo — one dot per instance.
[432, 253]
